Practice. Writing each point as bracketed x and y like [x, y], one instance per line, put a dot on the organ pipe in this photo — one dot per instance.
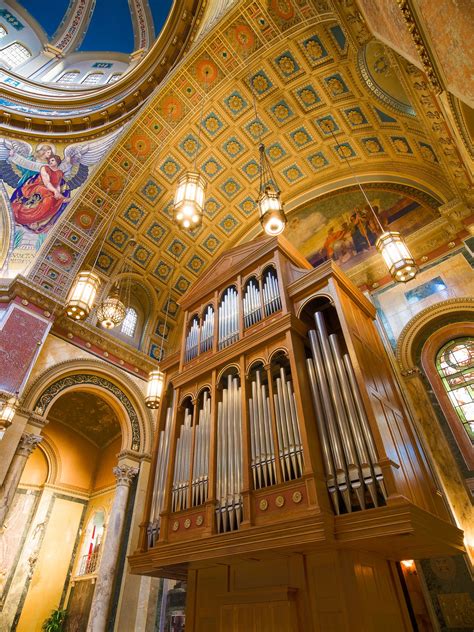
[287, 423]
[349, 455]
[251, 304]
[201, 453]
[229, 458]
[229, 318]
[192, 341]
[207, 330]
[182, 464]
[271, 293]
[160, 475]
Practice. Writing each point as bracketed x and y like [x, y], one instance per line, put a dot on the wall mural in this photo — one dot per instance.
[340, 226]
[37, 184]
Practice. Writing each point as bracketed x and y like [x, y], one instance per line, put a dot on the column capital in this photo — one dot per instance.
[125, 474]
[28, 443]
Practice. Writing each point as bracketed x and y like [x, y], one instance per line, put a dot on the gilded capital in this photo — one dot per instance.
[125, 474]
[27, 444]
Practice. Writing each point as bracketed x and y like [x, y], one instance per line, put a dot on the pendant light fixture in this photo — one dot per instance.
[113, 309]
[154, 389]
[270, 206]
[82, 295]
[390, 244]
[156, 378]
[189, 197]
[8, 407]
[83, 292]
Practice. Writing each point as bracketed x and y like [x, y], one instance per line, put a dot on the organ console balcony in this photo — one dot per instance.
[282, 430]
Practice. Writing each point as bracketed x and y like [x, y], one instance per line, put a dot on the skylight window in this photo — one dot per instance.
[15, 54]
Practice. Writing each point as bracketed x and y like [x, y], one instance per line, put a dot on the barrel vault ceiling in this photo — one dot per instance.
[306, 63]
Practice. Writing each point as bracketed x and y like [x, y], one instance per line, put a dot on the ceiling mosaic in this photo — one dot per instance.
[88, 415]
[277, 71]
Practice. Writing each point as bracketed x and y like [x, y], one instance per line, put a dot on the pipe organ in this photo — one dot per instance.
[283, 441]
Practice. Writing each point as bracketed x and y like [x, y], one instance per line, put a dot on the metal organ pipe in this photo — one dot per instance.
[290, 449]
[179, 494]
[192, 347]
[228, 318]
[160, 476]
[261, 438]
[271, 292]
[364, 422]
[349, 454]
[229, 458]
[207, 332]
[201, 453]
[353, 466]
[362, 455]
[251, 304]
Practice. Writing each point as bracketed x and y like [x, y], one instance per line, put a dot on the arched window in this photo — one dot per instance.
[129, 323]
[93, 79]
[90, 550]
[115, 77]
[455, 365]
[15, 54]
[69, 77]
[3, 31]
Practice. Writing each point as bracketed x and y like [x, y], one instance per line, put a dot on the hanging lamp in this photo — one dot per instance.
[390, 244]
[8, 407]
[154, 389]
[82, 295]
[111, 311]
[270, 206]
[189, 198]
[156, 378]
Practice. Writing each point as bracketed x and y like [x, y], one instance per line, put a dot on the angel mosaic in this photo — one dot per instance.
[43, 181]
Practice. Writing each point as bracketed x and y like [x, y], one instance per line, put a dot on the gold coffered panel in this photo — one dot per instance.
[280, 72]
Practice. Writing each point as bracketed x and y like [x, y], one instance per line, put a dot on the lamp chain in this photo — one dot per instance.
[339, 146]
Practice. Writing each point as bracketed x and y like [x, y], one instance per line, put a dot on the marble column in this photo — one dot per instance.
[26, 445]
[109, 558]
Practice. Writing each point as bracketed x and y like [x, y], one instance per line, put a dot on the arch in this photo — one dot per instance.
[420, 327]
[307, 300]
[107, 382]
[53, 459]
[224, 370]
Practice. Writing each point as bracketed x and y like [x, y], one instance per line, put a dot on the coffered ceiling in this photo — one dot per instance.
[276, 71]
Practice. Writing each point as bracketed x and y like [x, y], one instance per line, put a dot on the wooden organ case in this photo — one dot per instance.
[286, 478]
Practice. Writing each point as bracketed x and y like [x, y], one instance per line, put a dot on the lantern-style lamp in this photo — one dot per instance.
[189, 200]
[156, 380]
[82, 295]
[272, 215]
[111, 311]
[397, 257]
[270, 206]
[8, 406]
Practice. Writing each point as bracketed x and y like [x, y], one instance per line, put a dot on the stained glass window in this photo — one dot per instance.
[15, 54]
[129, 323]
[455, 364]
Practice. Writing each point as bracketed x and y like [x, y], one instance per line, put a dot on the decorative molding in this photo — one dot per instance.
[412, 331]
[414, 30]
[64, 383]
[93, 365]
